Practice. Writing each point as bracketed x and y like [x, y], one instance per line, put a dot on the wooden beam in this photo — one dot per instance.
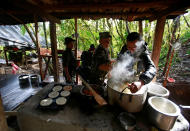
[182, 5]
[96, 12]
[140, 28]
[54, 51]
[158, 36]
[38, 48]
[152, 4]
[11, 113]
[3, 121]
[36, 9]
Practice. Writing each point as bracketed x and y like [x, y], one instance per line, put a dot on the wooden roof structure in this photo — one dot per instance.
[54, 10]
[33, 11]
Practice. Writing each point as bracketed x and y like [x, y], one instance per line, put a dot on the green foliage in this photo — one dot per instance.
[188, 52]
[88, 31]
[23, 30]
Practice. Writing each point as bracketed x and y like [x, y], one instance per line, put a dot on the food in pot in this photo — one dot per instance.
[87, 92]
[57, 88]
[46, 102]
[123, 88]
[65, 93]
[61, 101]
[53, 94]
[67, 88]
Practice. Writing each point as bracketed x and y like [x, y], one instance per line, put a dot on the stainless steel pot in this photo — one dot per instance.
[129, 102]
[155, 89]
[162, 112]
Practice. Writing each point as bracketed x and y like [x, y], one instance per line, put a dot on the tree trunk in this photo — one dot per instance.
[96, 25]
[45, 34]
[38, 48]
[127, 27]
[186, 21]
[111, 32]
[173, 40]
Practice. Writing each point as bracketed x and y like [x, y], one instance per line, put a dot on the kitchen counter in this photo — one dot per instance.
[81, 113]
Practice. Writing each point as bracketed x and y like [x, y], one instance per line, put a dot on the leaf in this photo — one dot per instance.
[23, 30]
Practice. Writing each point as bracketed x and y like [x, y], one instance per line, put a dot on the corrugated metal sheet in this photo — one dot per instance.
[11, 35]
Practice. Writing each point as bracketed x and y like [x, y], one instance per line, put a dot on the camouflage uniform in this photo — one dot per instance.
[101, 56]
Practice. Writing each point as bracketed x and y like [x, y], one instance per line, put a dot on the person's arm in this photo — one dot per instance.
[135, 86]
[105, 67]
[147, 75]
[149, 68]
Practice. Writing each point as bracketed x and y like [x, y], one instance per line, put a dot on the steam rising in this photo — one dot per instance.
[123, 70]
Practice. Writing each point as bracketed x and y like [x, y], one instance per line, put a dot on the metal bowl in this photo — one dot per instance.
[162, 112]
[157, 90]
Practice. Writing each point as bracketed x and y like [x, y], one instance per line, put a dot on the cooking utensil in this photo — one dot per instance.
[130, 102]
[184, 107]
[24, 81]
[155, 89]
[34, 80]
[97, 97]
[162, 112]
[127, 120]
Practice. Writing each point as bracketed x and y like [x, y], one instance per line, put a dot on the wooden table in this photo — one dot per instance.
[80, 114]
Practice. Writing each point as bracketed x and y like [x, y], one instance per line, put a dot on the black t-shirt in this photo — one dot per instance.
[69, 61]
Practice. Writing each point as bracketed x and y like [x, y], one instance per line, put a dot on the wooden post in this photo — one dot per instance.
[38, 48]
[158, 35]
[76, 45]
[3, 122]
[54, 50]
[167, 73]
[140, 28]
[5, 53]
[76, 35]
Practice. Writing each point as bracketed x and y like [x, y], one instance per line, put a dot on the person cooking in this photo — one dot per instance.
[144, 64]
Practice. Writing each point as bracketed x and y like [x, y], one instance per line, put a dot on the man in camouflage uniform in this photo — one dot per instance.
[101, 61]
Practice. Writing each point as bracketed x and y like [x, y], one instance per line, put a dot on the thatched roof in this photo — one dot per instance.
[23, 11]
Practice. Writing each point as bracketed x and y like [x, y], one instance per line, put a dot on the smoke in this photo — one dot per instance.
[123, 70]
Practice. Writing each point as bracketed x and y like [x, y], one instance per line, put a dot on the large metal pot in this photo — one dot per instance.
[162, 112]
[155, 89]
[129, 102]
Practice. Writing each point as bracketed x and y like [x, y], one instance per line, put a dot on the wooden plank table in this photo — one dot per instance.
[79, 114]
